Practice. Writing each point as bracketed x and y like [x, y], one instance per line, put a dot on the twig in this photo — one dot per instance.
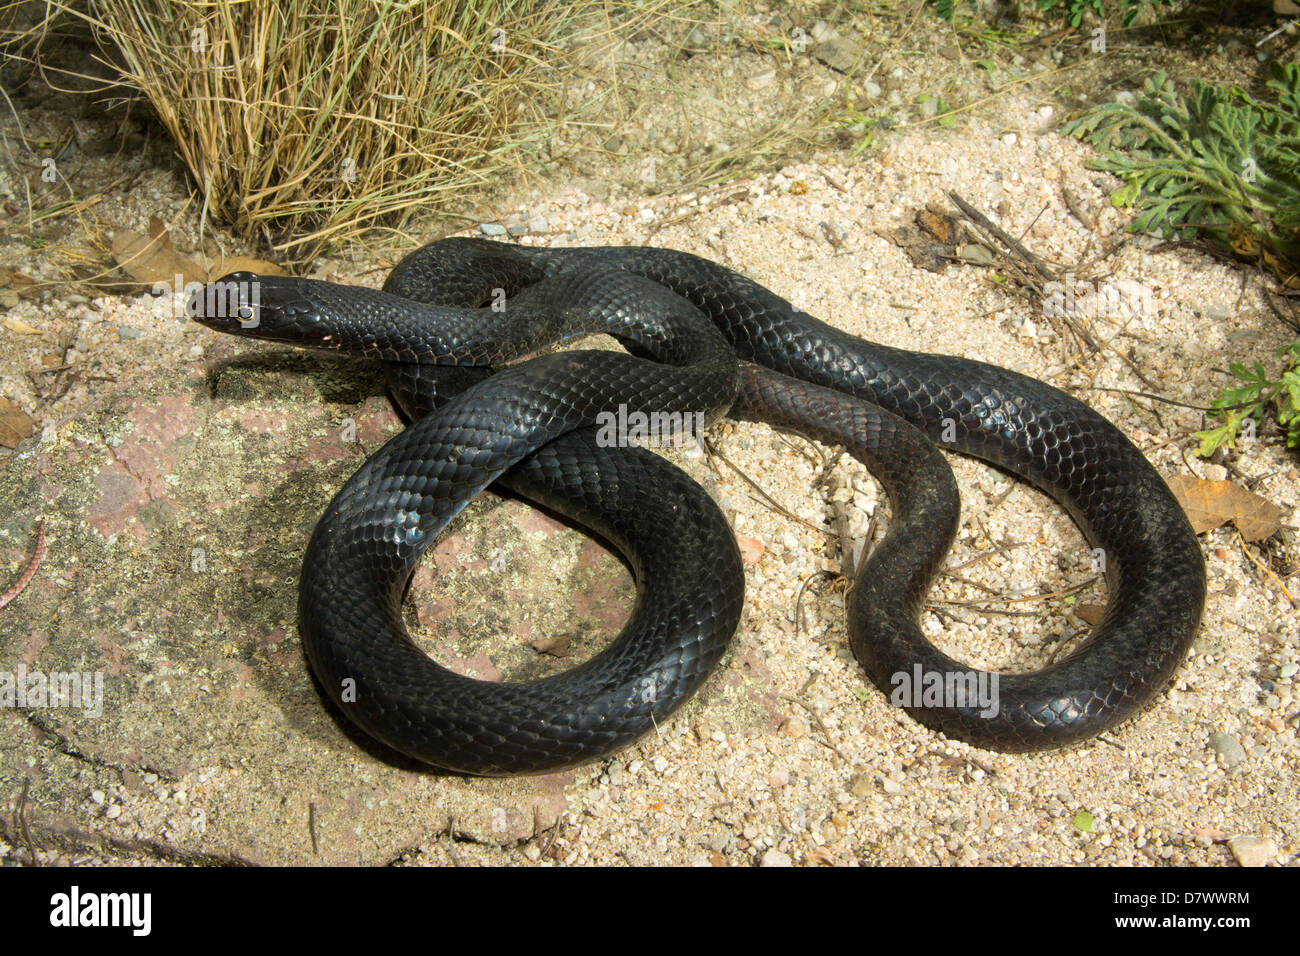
[977, 217]
[769, 500]
[22, 822]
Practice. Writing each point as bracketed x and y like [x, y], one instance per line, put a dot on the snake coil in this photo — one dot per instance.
[703, 339]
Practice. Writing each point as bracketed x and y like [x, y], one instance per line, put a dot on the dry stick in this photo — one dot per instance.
[1038, 266]
[1008, 240]
[1154, 398]
[798, 601]
[1039, 596]
[997, 549]
[22, 822]
[1241, 540]
[550, 839]
[770, 501]
[451, 841]
[828, 742]
[311, 828]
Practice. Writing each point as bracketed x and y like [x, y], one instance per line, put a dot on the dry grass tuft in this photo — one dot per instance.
[309, 122]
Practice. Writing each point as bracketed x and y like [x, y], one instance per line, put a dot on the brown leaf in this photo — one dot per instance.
[224, 265]
[153, 260]
[24, 285]
[19, 326]
[158, 230]
[1211, 503]
[1091, 613]
[15, 424]
[940, 226]
[555, 646]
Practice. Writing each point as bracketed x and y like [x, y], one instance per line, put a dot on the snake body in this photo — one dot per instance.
[703, 339]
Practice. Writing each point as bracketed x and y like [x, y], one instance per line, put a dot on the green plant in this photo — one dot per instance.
[1220, 165]
[1237, 405]
[1074, 9]
[1215, 163]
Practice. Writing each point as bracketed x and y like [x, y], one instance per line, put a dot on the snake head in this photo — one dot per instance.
[262, 307]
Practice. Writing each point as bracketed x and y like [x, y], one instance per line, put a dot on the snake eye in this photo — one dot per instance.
[230, 301]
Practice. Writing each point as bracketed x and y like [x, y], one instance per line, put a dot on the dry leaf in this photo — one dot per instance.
[15, 424]
[555, 646]
[19, 326]
[1211, 503]
[153, 260]
[23, 284]
[1090, 613]
[942, 227]
[224, 265]
[158, 230]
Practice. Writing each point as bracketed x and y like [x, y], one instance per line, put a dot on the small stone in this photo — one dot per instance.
[779, 778]
[794, 727]
[661, 764]
[114, 811]
[1289, 670]
[127, 333]
[775, 857]
[1227, 747]
[862, 785]
[892, 786]
[97, 796]
[1252, 850]
[491, 229]
[975, 254]
[539, 224]
[533, 852]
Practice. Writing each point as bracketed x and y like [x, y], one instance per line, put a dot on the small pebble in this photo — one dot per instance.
[1252, 850]
[491, 229]
[1227, 747]
[775, 857]
[794, 727]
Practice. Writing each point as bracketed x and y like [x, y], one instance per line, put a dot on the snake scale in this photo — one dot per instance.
[455, 324]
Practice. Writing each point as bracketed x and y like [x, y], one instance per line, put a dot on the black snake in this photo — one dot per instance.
[446, 313]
